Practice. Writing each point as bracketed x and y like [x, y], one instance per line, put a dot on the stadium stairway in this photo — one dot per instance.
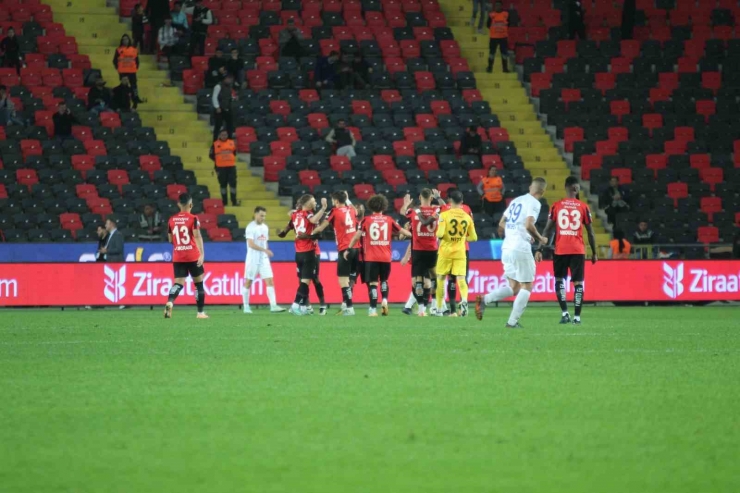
[509, 100]
[98, 30]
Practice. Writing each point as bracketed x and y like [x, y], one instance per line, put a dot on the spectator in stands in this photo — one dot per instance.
[289, 40]
[222, 100]
[113, 249]
[99, 97]
[347, 78]
[325, 73]
[491, 187]
[614, 199]
[63, 121]
[168, 37]
[576, 25]
[150, 222]
[619, 248]
[223, 153]
[123, 97]
[643, 235]
[235, 67]
[156, 11]
[470, 142]
[7, 109]
[629, 8]
[202, 18]
[138, 20]
[484, 6]
[498, 24]
[179, 18]
[11, 51]
[126, 61]
[362, 69]
[102, 240]
[342, 137]
[216, 68]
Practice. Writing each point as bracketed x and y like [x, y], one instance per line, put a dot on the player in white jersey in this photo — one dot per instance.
[518, 223]
[258, 260]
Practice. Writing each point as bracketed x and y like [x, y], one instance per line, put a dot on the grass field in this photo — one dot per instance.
[635, 400]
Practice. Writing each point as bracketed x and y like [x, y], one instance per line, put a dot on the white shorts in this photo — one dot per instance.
[518, 266]
[261, 268]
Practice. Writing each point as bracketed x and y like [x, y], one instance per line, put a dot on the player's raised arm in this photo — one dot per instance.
[316, 218]
[407, 201]
[441, 226]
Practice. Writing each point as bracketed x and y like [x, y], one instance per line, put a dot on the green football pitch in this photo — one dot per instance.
[635, 400]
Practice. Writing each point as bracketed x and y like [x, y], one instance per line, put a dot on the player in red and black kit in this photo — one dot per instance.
[343, 218]
[303, 221]
[376, 231]
[187, 254]
[423, 248]
[568, 216]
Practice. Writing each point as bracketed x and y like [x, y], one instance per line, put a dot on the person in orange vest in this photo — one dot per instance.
[619, 248]
[498, 25]
[491, 188]
[223, 153]
[126, 61]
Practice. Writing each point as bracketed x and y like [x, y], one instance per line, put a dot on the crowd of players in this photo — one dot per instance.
[438, 251]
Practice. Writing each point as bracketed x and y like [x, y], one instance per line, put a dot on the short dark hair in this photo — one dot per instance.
[570, 181]
[259, 208]
[473, 128]
[3, 87]
[112, 219]
[377, 203]
[455, 196]
[101, 225]
[137, 6]
[426, 193]
[334, 53]
[184, 199]
[340, 196]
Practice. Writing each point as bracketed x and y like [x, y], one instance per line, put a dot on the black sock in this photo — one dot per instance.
[427, 295]
[373, 293]
[560, 293]
[319, 291]
[578, 299]
[347, 297]
[174, 292]
[384, 290]
[452, 293]
[200, 296]
[302, 294]
[419, 293]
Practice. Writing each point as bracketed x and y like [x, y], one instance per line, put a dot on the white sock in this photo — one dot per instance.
[271, 296]
[410, 302]
[245, 296]
[520, 303]
[498, 294]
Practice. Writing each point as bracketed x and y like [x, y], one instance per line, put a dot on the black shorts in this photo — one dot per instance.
[375, 271]
[561, 264]
[183, 269]
[307, 265]
[422, 262]
[347, 268]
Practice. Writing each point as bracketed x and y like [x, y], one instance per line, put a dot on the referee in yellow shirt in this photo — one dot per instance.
[454, 228]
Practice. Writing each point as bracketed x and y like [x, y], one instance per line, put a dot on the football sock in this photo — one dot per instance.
[452, 293]
[520, 303]
[301, 295]
[412, 299]
[560, 293]
[498, 294]
[270, 296]
[319, 291]
[373, 292]
[384, 290]
[174, 292]
[578, 300]
[427, 294]
[245, 296]
[200, 296]
[463, 286]
[440, 295]
[419, 293]
[347, 297]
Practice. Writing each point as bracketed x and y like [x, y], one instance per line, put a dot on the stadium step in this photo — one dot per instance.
[509, 100]
[98, 30]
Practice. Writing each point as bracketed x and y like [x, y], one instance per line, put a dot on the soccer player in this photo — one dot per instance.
[516, 253]
[377, 230]
[568, 216]
[423, 247]
[187, 255]
[258, 260]
[455, 229]
[303, 221]
[343, 218]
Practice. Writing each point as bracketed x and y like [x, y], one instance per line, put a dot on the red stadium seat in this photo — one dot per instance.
[677, 191]
[244, 137]
[707, 234]
[403, 148]
[150, 164]
[539, 82]
[624, 175]
[656, 161]
[618, 134]
[363, 191]
[700, 161]
[711, 206]
[604, 81]
[83, 163]
[571, 136]
[712, 176]
[213, 206]
[26, 177]
[589, 162]
[118, 177]
[340, 164]
[287, 134]
[491, 160]
[273, 166]
[70, 221]
[219, 234]
[383, 162]
[280, 148]
[652, 120]
[427, 163]
[309, 178]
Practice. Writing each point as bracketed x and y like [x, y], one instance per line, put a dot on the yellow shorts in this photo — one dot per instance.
[446, 266]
